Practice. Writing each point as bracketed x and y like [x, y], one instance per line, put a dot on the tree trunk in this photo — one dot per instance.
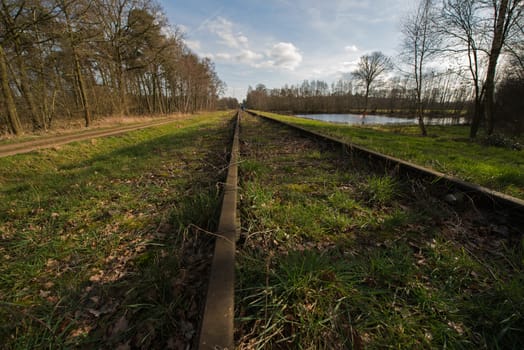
[36, 119]
[422, 126]
[475, 123]
[496, 46]
[477, 112]
[159, 94]
[14, 121]
[366, 99]
[420, 109]
[78, 71]
[477, 118]
[121, 81]
[82, 87]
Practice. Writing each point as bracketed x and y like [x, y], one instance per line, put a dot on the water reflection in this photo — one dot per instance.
[355, 119]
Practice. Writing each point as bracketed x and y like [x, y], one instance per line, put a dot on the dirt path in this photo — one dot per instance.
[51, 141]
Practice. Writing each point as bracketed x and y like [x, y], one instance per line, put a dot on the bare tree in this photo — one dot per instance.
[369, 68]
[505, 14]
[74, 16]
[481, 30]
[459, 24]
[444, 95]
[68, 58]
[18, 17]
[420, 44]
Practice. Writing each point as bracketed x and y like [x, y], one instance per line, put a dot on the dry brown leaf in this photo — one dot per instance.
[44, 293]
[51, 263]
[82, 330]
[97, 277]
[94, 312]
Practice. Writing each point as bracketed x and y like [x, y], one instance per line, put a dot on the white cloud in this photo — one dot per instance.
[193, 44]
[235, 47]
[223, 28]
[333, 35]
[223, 56]
[182, 28]
[249, 57]
[285, 55]
[242, 39]
[347, 67]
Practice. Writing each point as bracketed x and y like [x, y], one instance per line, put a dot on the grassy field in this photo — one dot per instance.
[447, 149]
[336, 257]
[104, 243]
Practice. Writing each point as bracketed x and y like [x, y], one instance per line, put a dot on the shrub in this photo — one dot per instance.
[502, 141]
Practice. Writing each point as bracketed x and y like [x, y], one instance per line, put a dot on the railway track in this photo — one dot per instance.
[511, 207]
[281, 162]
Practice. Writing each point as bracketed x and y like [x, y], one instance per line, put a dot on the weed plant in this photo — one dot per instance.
[335, 256]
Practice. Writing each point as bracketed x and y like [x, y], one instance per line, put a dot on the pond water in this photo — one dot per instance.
[355, 119]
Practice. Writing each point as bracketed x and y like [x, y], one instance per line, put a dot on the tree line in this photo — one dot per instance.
[473, 39]
[82, 59]
[392, 96]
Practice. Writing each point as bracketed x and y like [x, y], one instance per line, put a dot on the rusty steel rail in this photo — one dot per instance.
[482, 197]
[217, 326]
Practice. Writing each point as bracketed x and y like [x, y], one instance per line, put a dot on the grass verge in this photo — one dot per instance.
[77, 127]
[103, 243]
[337, 257]
[448, 149]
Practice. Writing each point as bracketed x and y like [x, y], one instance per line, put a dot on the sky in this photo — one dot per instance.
[278, 42]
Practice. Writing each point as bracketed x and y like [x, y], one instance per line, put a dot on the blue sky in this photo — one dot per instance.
[277, 42]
